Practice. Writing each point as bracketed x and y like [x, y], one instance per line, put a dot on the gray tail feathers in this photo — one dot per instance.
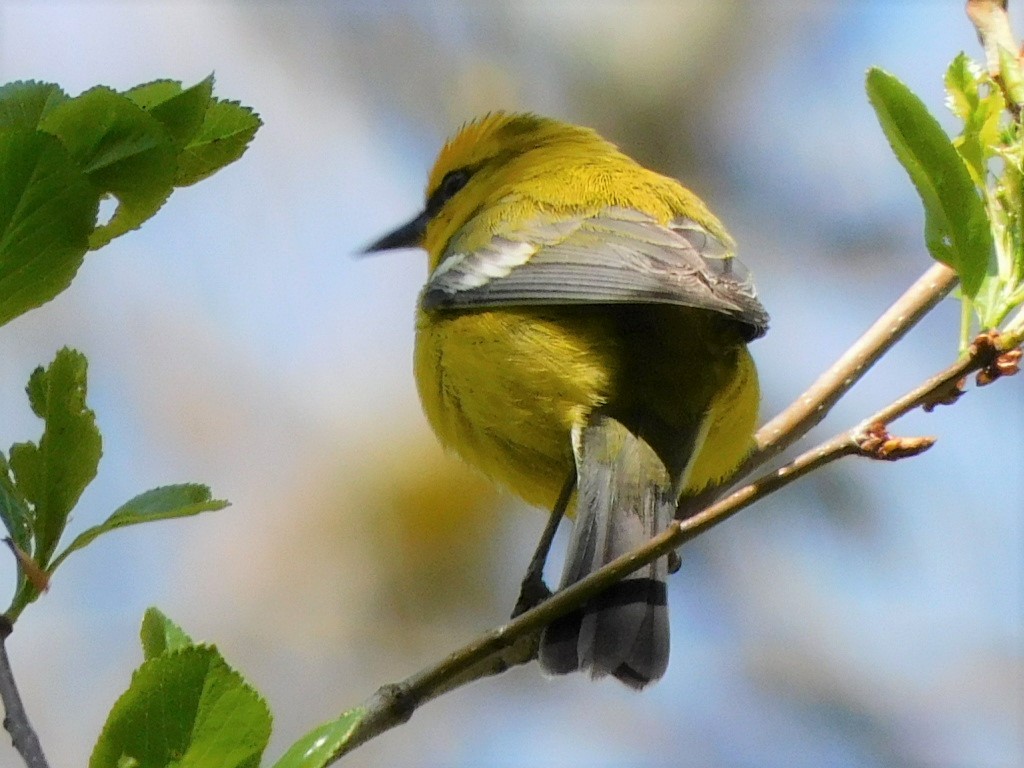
[624, 497]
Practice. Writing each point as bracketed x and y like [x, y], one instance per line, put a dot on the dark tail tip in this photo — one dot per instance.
[623, 632]
[559, 645]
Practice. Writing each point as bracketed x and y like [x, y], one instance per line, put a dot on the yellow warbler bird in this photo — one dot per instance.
[584, 321]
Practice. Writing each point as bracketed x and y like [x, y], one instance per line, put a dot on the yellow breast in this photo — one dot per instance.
[505, 388]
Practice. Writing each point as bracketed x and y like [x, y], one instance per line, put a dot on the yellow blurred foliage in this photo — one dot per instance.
[434, 536]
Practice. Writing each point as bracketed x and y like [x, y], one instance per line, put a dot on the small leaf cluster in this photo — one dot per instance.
[60, 156]
[972, 187]
[41, 482]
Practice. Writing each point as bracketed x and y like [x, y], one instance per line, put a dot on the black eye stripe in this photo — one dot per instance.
[450, 185]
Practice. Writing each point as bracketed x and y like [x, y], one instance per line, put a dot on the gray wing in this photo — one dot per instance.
[619, 256]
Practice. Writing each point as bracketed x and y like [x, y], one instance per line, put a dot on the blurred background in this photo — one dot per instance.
[869, 616]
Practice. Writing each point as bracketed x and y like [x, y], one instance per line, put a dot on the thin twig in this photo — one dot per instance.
[813, 405]
[992, 23]
[23, 736]
[515, 642]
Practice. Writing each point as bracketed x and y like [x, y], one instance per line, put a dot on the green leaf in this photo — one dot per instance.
[320, 746]
[956, 226]
[23, 103]
[976, 99]
[14, 509]
[165, 503]
[37, 390]
[148, 95]
[181, 111]
[123, 150]
[160, 635]
[1010, 71]
[52, 475]
[186, 709]
[962, 86]
[47, 210]
[223, 138]
[963, 98]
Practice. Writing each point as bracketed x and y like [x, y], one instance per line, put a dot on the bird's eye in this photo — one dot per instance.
[452, 182]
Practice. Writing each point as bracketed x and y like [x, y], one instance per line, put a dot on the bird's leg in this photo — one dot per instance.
[688, 506]
[533, 590]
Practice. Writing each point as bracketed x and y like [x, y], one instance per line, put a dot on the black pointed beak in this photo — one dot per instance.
[408, 235]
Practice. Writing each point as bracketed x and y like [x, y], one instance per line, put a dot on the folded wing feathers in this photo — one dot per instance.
[617, 256]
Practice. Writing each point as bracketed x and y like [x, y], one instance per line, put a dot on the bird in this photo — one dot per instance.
[582, 334]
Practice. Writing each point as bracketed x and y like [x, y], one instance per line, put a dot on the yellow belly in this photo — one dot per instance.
[505, 388]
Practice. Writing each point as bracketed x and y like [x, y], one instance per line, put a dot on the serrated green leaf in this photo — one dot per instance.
[181, 113]
[186, 709]
[976, 99]
[320, 746]
[160, 635]
[123, 150]
[1010, 71]
[37, 391]
[23, 103]
[14, 509]
[52, 475]
[987, 121]
[962, 92]
[47, 210]
[956, 225]
[223, 138]
[148, 95]
[962, 86]
[165, 503]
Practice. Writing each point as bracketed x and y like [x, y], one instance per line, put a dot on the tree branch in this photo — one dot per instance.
[808, 410]
[812, 406]
[23, 737]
